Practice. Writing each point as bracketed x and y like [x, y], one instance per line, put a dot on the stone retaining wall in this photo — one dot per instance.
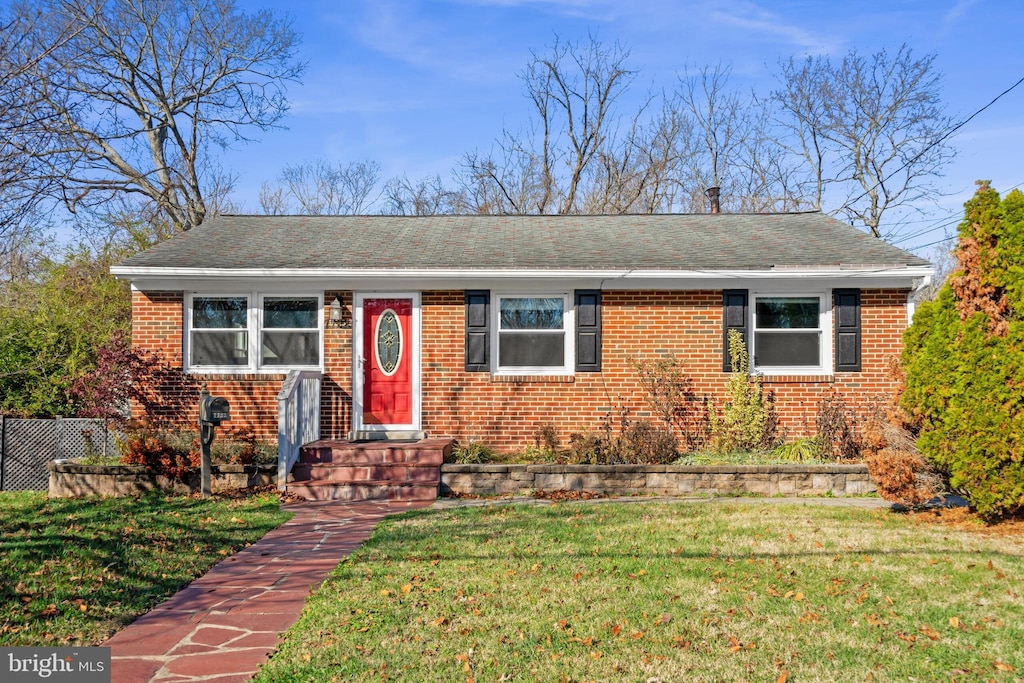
[70, 479]
[767, 480]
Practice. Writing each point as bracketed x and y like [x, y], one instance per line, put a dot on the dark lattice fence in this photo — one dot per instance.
[26, 446]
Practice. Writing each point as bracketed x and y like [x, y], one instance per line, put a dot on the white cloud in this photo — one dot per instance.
[766, 24]
[956, 13]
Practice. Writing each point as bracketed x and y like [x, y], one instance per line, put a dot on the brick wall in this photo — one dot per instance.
[506, 412]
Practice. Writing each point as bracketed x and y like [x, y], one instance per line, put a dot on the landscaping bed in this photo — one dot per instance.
[681, 480]
[69, 479]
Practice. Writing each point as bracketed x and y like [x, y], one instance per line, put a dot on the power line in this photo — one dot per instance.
[942, 139]
[932, 244]
[947, 221]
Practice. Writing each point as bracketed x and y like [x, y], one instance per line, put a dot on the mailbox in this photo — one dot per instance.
[213, 410]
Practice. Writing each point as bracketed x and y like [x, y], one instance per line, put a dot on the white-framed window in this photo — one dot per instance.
[253, 332]
[791, 333]
[533, 334]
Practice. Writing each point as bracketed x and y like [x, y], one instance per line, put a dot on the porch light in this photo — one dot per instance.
[337, 315]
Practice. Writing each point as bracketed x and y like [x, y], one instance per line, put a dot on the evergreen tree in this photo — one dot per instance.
[964, 359]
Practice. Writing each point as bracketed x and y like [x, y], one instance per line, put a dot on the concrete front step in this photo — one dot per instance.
[429, 474]
[366, 490]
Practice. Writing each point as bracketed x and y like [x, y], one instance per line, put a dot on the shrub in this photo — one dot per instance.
[801, 450]
[964, 359]
[545, 437]
[171, 454]
[588, 448]
[670, 396]
[637, 442]
[836, 430]
[748, 419]
[239, 446]
[472, 453]
[643, 443]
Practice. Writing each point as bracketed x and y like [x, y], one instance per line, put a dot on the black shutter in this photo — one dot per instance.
[478, 325]
[734, 317]
[588, 330]
[846, 309]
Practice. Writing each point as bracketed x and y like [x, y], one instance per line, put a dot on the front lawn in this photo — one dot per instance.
[665, 592]
[74, 571]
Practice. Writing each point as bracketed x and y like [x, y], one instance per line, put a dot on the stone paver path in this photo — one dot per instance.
[223, 626]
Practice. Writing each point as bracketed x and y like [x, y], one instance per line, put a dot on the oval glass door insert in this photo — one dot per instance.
[388, 347]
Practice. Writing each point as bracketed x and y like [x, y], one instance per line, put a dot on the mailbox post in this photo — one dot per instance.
[212, 411]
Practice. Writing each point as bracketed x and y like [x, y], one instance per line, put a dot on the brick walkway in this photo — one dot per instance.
[223, 626]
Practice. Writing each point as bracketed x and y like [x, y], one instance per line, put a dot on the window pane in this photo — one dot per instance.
[545, 350]
[220, 348]
[786, 313]
[289, 312]
[219, 312]
[532, 313]
[787, 349]
[291, 348]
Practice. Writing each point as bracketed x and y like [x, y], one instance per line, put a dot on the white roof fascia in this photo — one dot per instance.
[379, 280]
[362, 274]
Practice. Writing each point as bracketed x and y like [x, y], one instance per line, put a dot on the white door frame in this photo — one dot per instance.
[358, 362]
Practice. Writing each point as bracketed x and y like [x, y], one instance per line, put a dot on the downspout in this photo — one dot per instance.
[912, 297]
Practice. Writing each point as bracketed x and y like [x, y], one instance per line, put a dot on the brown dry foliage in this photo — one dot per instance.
[890, 452]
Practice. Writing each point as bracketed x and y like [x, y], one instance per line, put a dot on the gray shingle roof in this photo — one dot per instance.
[642, 242]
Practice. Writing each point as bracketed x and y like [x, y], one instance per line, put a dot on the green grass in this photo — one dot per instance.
[664, 592]
[74, 571]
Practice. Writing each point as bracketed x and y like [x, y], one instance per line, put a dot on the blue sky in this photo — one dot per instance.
[414, 84]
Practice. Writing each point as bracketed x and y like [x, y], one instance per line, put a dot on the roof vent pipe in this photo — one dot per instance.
[712, 193]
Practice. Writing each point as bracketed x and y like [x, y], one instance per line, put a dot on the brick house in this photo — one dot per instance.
[488, 327]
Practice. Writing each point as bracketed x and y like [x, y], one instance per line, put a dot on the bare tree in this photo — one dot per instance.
[273, 199]
[872, 126]
[130, 101]
[733, 147]
[21, 189]
[320, 188]
[573, 90]
[425, 197]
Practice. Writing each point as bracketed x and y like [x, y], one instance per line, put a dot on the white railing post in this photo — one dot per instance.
[298, 419]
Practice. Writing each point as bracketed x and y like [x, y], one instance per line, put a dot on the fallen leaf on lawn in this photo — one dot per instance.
[799, 596]
[236, 520]
[782, 677]
[596, 654]
[663, 619]
[407, 588]
[1002, 666]
[616, 629]
[636, 635]
[83, 607]
[440, 621]
[955, 622]
[50, 611]
[385, 592]
[929, 631]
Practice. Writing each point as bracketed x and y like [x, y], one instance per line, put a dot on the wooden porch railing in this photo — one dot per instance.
[298, 419]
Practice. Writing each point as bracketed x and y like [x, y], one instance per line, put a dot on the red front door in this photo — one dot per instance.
[387, 369]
